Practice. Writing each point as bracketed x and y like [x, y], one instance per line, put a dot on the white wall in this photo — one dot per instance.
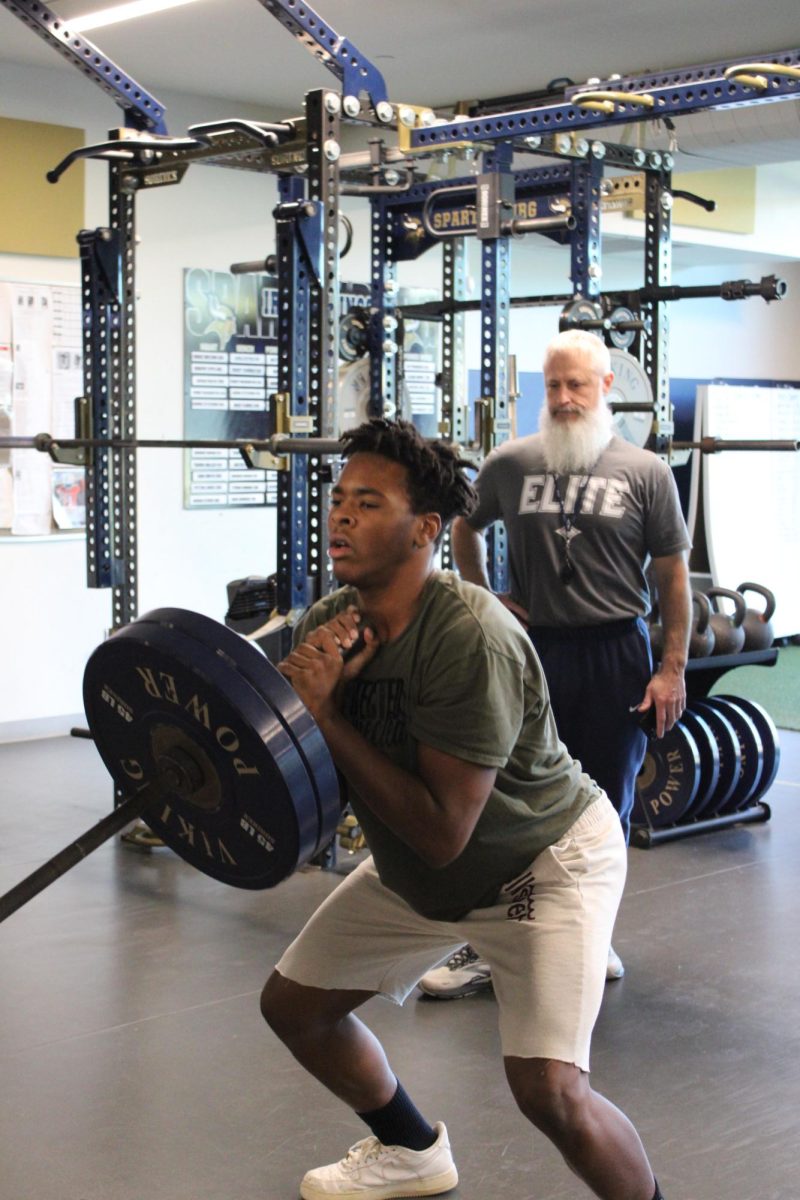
[49, 620]
[749, 339]
[708, 338]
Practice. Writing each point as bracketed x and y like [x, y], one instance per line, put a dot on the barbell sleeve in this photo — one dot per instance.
[714, 445]
[277, 444]
[769, 287]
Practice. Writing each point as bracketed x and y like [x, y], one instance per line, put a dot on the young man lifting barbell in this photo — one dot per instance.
[481, 827]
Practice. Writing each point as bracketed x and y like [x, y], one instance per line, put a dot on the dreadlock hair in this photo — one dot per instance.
[436, 479]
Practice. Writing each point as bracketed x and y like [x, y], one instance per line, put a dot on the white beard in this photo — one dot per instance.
[575, 445]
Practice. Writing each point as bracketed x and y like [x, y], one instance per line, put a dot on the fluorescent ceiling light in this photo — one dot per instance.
[120, 12]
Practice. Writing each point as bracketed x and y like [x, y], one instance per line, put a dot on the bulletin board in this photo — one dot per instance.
[41, 374]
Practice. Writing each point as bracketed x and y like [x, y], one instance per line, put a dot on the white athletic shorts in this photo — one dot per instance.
[546, 940]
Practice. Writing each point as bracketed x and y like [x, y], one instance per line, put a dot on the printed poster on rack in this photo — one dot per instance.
[230, 371]
[421, 361]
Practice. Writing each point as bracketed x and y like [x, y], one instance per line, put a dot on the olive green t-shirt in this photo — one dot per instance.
[464, 679]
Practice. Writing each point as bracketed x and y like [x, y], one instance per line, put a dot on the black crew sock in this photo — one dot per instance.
[657, 1193]
[399, 1123]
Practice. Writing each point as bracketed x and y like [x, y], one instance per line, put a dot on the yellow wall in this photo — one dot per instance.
[37, 217]
[734, 190]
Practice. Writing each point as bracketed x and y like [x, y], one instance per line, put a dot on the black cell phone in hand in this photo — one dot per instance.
[646, 720]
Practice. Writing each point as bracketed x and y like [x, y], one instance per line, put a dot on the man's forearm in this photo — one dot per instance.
[469, 552]
[667, 688]
[675, 605]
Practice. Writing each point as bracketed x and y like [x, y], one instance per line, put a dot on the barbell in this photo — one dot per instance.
[73, 450]
[211, 745]
[272, 451]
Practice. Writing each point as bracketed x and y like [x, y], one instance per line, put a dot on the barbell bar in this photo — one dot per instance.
[769, 287]
[75, 852]
[213, 748]
[715, 445]
[63, 450]
[72, 450]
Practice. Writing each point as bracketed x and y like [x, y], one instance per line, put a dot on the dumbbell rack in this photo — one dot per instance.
[701, 675]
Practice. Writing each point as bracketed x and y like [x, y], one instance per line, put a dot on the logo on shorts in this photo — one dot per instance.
[521, 892]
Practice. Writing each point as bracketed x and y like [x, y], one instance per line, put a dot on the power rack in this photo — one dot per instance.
[561, 200]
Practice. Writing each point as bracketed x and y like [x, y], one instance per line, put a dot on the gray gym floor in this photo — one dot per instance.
[136, 1067]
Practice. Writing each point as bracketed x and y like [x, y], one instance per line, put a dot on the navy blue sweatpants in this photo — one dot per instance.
[595, 675]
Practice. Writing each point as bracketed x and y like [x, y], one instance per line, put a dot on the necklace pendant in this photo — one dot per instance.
[568, 532]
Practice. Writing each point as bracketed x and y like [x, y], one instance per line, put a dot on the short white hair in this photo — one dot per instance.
[581, 341]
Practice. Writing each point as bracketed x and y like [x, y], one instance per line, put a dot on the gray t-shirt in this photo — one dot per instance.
[630, 512]
[465, 679]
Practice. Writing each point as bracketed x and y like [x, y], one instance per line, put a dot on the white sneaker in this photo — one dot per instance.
[463, 974]
[614, 967]
[370, 1169]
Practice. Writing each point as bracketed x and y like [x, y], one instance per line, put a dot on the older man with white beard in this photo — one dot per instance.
[585, 511]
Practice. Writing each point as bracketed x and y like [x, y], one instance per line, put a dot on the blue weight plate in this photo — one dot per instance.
[668, 781]
[770, 741]
[154, 697]
[729, 754]
[282, 699]
[709, 762]
[751, 752]
[261, 677]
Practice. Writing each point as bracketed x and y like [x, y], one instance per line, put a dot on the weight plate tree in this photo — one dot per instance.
[215, 750]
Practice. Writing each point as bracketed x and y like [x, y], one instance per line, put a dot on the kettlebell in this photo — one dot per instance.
[702, 636]
[656, 633]
[758, 632]
[728, 630]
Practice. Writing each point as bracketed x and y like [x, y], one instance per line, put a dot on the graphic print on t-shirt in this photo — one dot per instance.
[377, 708]
[539, 495]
